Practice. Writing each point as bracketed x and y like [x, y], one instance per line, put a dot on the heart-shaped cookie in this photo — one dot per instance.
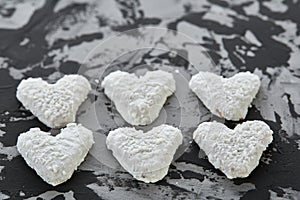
[146, 156]
[228, 98]
[235, 152]
[55, 158]
[139, 99]
[54, 104]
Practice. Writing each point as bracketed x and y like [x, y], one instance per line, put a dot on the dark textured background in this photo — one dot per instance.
[51, 38]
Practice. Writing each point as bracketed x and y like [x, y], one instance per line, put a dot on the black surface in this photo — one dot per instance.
[280, 177]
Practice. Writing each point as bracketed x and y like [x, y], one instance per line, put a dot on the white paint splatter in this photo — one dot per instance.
[10, 152]
[240, 2]
[3, 63]
[292, 40]
[220, 15]
[55, 76]
[215, 186]
[143, 191]
[4, 196]
[289, 193]
[102, 8]
[272, 98]
[298, 144]
[251, 38]
[250, 54]
[52, 194]
[63, 4]
[24, 41]
[2, 133]
[15, 119]
[22, 194]
[17, 74]
[75, 53]
[276, 5]
[253, 10]
[196, 33]
[19, 17]
[153, 9]
[86, 22]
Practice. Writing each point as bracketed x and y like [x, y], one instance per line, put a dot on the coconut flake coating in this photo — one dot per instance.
[228, 98]
[54, 104]
[139, 99]
[235, 152]
[55, 158]
[146, 156]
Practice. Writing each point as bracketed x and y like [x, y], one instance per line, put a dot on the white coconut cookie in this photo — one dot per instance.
[235, 152]
[55, 158]
[146, 156]
[228, 98]
[54, 104]
[139, 99]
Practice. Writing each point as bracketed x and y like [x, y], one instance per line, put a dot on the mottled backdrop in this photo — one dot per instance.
[48, 39]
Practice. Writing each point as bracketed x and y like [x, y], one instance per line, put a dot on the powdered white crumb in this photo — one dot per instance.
[139, 99]
[55, 158]
[228, 98]
[54, 104]
[146, 156]
[235, 152]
